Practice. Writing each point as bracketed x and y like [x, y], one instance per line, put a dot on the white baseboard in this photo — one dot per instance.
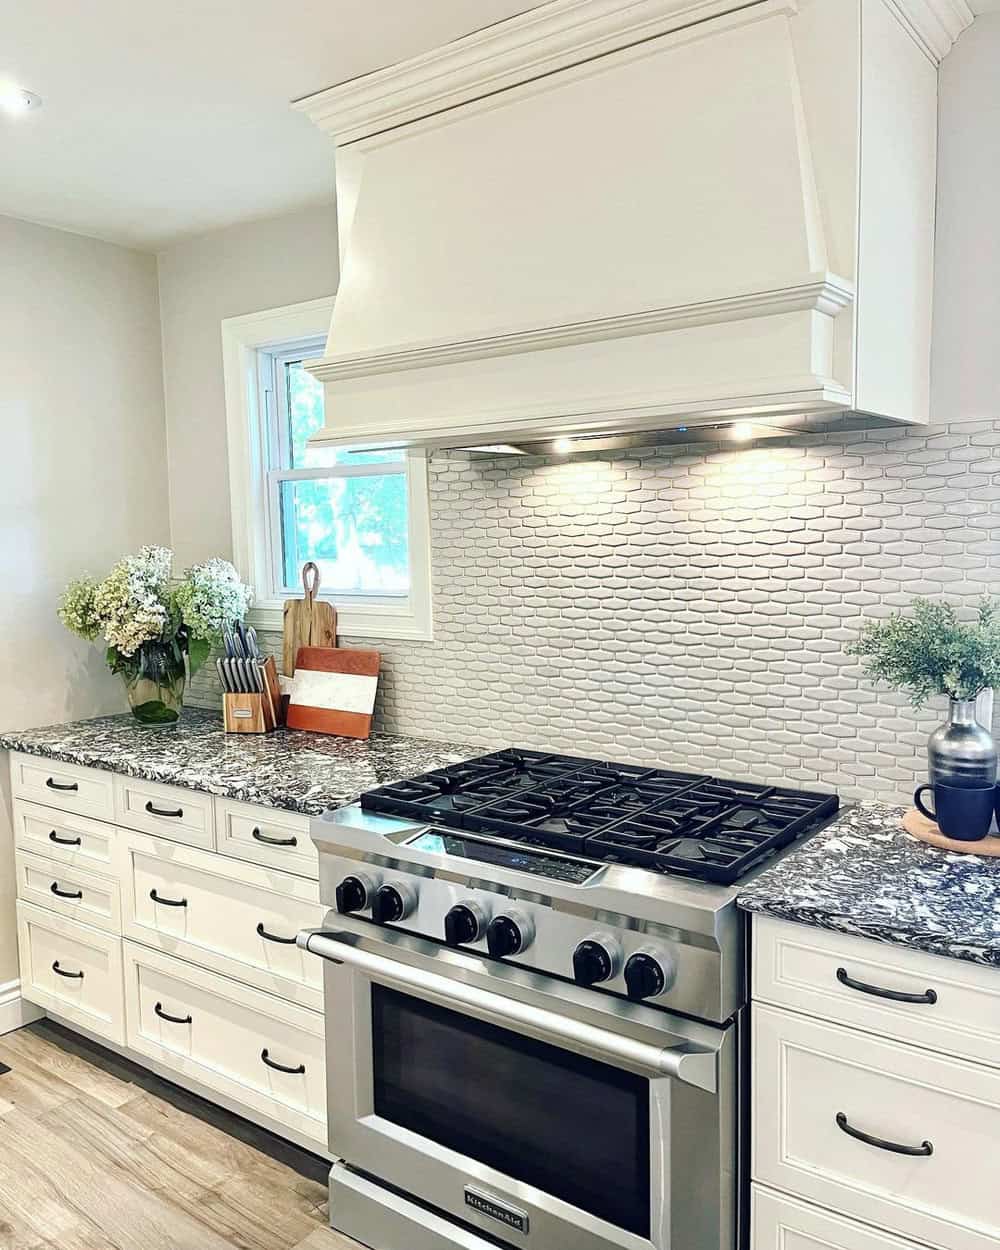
[15, 1011]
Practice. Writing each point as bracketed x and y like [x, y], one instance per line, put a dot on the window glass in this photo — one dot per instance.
[304, 406]
[354, 528]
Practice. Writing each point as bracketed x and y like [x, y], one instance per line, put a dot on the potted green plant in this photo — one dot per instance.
[932, 652]
[151, 622]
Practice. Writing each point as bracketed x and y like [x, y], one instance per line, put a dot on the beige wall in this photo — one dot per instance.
[83, 474]
[245, 268]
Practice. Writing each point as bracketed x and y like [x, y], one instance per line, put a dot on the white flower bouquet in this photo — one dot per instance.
[150, 622]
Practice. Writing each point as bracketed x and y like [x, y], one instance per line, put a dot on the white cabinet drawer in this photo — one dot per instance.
[807, 1076]
[72, 970]
[229, 1037]
[63, 836]
[237, 919]
[71, 891]
[782, 1223]
[168, 811]
[87, 791]
[264, 835]
[950, 1006]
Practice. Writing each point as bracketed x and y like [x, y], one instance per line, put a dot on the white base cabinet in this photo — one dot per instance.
[865, 1105]
[162, 921]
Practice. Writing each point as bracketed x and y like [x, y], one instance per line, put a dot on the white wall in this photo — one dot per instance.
[83, 471]
[264, 264]
[965, 373]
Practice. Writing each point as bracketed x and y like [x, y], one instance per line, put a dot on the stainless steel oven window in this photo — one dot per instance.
[567, 1124]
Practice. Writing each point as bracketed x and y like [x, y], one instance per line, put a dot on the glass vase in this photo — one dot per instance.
[155, 683]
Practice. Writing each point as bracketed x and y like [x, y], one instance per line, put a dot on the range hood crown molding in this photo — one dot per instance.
[548, 38]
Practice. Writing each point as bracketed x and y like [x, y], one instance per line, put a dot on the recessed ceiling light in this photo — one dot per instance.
[15, 101]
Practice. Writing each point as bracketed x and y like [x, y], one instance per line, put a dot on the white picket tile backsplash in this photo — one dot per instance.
[691, 610]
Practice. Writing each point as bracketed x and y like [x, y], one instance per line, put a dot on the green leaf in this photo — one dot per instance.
[199, 650]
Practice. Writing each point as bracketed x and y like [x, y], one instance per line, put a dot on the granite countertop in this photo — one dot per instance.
[866, 876]
[303, 772]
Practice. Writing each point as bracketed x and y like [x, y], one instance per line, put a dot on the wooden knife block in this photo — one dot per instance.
[254, 713]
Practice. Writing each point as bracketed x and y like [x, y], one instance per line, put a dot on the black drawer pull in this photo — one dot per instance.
[167, 902]
[62, 785]
[54, 837]
[262, 837]
[898, 996]
[162, 811]
[76, 976]
[273, 937]
[280, 1067]
[165, 1015]
[923, 1150]
[54, 887]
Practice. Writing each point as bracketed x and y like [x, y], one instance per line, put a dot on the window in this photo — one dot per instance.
[361, 516]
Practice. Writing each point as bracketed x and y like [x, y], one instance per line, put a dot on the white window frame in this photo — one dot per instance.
[251, 485]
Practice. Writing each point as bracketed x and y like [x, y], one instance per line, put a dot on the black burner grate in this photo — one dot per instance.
[684, 823]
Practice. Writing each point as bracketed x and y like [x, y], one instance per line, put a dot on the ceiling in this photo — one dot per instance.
[165, 120]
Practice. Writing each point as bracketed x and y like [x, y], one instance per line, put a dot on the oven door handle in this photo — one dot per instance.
[686, 1061]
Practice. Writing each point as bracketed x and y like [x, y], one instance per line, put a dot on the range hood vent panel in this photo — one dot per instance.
[668, 230]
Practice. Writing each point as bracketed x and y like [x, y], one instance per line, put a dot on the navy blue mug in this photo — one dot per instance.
[965, 815]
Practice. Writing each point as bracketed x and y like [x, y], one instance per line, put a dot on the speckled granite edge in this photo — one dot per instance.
[297, 771]
[865, 876]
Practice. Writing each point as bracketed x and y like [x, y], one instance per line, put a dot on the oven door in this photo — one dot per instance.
[547, 1116]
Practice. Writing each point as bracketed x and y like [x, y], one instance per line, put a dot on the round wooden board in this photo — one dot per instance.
[927, 831]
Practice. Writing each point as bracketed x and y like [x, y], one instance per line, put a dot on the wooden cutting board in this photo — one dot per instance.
[333, 691]
[308, 622]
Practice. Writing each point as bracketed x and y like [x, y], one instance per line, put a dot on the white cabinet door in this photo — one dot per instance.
[834, 1110]
[71, 970]
[277, 839]
[168, 811]
[235, 918]
[264, 1053]
[63, 836]
[72, 892]
[86, 791]
[782, 1223]
[944, 1005]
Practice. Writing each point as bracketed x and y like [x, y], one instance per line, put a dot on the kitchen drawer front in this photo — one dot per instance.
[85, 791]
[264, 835]
[64, 837]
[223, 915]
[72, 892]
[94, 1000]
[172, 812]
[227, 1036]
[807, 1074]
[782, 1223]
[838, 977]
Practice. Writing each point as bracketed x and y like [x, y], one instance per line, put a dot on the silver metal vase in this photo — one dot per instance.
[961, 752]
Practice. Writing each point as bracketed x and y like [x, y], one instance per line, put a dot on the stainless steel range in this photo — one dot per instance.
[535, 997]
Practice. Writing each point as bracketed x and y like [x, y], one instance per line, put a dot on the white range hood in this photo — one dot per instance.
[613, 216]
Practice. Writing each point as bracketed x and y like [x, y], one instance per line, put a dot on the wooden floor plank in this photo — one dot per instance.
[96, 1154]
[40, 1048]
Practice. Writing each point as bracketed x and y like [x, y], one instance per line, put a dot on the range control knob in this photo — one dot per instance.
[355, 893]
[464, 923]
[647, 975]
[393, 902]
[509, 934]
[598, 958]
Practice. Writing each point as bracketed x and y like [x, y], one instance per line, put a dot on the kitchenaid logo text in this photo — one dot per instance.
[509, 1216]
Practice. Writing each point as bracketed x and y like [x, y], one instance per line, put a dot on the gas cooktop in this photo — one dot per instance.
[688, 824]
